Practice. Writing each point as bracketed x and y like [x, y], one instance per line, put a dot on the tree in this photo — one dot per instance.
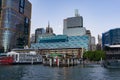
[94, 55]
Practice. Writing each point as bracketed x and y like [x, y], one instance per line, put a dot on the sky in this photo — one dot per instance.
[99, 16]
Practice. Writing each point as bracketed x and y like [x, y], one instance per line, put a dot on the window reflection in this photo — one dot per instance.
[21, 6]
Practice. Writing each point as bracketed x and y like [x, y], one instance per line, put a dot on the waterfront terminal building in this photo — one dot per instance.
[71, 45]
[15, 20]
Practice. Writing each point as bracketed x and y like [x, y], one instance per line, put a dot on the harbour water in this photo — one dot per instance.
[40, 72]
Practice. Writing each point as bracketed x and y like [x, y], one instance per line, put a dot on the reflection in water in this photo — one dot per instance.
[39, 72]
[11, 72]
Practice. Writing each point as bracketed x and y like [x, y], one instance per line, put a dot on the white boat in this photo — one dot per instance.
[25, 58]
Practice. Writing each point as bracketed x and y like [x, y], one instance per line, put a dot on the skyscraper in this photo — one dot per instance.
[49, 29]
[15, 19]
[92, 44]
[32, 38]
[73, 26]
[111, 37]
[38, 32]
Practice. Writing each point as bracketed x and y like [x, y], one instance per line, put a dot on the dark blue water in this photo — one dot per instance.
[40, 72]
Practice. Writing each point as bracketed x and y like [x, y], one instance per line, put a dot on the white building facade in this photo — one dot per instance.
[73, 26]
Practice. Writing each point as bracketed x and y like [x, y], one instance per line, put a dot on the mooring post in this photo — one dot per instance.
[50, 60]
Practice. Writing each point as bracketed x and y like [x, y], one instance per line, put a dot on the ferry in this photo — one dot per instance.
[21, 58]
[25, 58]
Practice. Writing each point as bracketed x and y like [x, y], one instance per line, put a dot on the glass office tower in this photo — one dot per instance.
[111, 37]
[15, 19]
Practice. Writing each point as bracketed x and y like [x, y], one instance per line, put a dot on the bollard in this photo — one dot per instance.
[58, 63]
[72, 62]
[43, 61]
[68, 61]
[50, 60]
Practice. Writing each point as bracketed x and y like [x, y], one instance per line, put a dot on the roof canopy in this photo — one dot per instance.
[12, 52]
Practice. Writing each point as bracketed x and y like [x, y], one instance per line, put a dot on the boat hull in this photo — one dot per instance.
[6, 60]
[111, 63]
[25, 63]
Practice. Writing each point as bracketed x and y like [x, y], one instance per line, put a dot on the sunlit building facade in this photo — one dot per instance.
[15, 20]
[92, 44]
[73, 26]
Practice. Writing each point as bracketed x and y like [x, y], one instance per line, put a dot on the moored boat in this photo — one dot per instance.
[25, 58]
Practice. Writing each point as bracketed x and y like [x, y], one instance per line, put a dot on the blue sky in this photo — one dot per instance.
[98, 15]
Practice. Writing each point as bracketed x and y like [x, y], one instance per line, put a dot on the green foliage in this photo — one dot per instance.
[94, 55]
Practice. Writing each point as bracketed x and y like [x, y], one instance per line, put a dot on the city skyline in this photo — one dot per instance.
[98, 16]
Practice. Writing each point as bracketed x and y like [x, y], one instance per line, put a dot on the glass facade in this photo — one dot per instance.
[112, 37]
[62, 41]
[58, 38]
[15, 24]
[21, 6]
[74, 22]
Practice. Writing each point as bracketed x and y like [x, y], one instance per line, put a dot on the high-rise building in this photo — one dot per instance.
[73, 26]
[99, 44]
[39, 31]
[93, 40]
[49, 30]
[99, 40]
[111, 37]
[15, 20]
[92, 44]
[88, 32]
[32, 38]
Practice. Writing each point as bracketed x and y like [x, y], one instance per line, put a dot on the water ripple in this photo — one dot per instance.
[40, 72]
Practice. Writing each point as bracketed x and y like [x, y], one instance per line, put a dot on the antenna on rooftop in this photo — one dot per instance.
[76, 13]
[48, 24]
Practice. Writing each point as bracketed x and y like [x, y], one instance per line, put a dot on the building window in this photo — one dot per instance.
[26, 20]
[21, 6]
[21, 10]
[0, 6]
[26, 26]
[22, 2]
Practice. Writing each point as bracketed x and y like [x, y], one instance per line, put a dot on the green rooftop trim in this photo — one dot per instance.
[58, 38]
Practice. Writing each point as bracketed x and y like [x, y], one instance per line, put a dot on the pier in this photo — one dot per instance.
[56, 62]
[60, 60]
